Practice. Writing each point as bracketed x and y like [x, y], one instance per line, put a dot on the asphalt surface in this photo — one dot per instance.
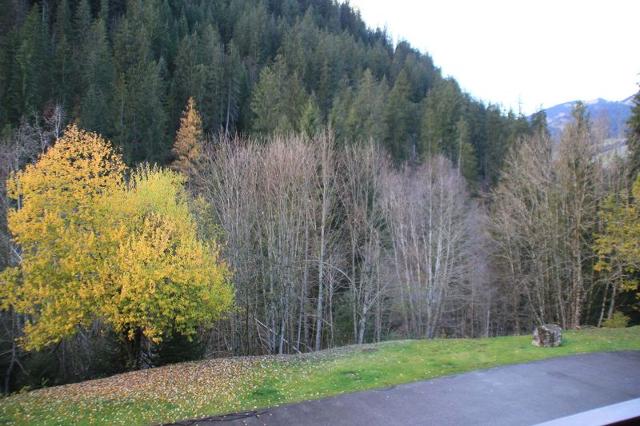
[510, 395]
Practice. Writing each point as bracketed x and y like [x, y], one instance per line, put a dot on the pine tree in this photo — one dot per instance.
[10, 81]
[539, 123]
[32, 58]
[234, 78]
[187, 147]
[340, 110]
[211, 98]
[199, 73]
[104, 11]
[264, 102]
[466, 157]
[311, 119]
[442, 112]
[98, 77]
[82, 21]
[399, 115]
[189, 75]
[139, 111]
[63, 55]
[365, 118]
[497, 136]
[278, 99]
[633, 137]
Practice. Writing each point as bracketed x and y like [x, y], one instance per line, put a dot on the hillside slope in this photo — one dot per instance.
[125, 69]
[198, 389]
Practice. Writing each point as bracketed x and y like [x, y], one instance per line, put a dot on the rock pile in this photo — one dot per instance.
[547, 335]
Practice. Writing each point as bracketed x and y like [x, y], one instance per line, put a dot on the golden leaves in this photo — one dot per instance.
[619, 244]
[187, 147]
[172, 392]
[96, 247]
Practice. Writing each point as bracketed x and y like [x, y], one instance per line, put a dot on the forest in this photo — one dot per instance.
[189, 179]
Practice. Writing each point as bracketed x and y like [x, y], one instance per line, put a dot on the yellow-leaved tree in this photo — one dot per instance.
[58, 230]
[97, 246]
[166, 278]
[618, 247]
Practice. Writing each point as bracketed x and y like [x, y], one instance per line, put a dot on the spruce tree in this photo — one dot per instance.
[211, 98]
[442, 112]
[498, 137]
[234, 76]
[466, 160]
[32, 58]
[539, 123]
[311, 119]
[399, 115]
[365, 118]
[264, 102]
[278, 100]
[82, 21]
[633, 137]
[139, 112]
[63, 55]
[98, 77]
[10, 81]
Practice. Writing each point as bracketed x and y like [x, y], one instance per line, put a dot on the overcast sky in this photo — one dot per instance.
[527, 53]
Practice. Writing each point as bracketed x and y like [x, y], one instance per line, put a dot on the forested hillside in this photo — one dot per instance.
[192, 178]
[125, 69]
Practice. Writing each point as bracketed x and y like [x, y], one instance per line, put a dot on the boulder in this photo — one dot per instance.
[547, 335]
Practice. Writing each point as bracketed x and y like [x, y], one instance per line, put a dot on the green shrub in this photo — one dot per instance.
[618, 320]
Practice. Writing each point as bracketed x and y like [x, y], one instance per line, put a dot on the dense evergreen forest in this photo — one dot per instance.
[273, 176]
[125, 69]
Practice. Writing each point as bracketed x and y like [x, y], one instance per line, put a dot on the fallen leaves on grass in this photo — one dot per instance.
[178, 390]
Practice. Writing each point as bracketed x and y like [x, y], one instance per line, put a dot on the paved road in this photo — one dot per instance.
[512, 395]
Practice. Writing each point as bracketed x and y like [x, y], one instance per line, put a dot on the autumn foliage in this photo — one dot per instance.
[98, 242]
[187, 147]
[618, 247]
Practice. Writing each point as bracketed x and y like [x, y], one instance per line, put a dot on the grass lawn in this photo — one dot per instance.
[204, 388]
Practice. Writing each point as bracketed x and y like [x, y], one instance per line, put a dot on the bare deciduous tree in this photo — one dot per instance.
[430, 221]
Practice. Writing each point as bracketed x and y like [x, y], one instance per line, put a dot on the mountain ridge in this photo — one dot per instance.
[612, 114]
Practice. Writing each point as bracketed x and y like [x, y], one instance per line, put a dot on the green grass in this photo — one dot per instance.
[205, 388]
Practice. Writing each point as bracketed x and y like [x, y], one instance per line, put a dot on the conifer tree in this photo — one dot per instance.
[187, 147]
[399, 115]
[539, 123]
[82, 21]
[234, 74]
[466, 157]
[32, 58]
[633, 141]
[211, 99]
[365, 118]
[496, 146]
[63, 55]
[311, 119]
[278, 100]
[439, 123]
[10, 81]
[139, 112]
[98, 79]
[340, 111]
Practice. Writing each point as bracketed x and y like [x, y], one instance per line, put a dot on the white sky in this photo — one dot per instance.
[529, 53]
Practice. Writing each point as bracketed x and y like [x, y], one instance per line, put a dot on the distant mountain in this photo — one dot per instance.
[613, 113]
